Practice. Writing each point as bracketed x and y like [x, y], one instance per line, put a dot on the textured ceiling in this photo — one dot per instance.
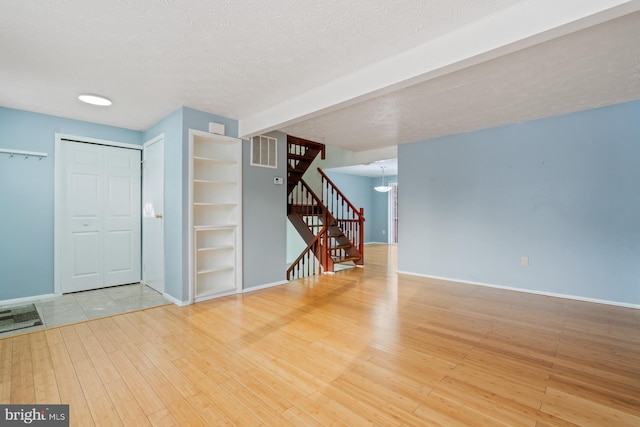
[232, 58]
[590, 68]
[239, 58]
[386, 167]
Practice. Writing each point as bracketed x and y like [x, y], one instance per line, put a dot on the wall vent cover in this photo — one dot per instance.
[264, 151]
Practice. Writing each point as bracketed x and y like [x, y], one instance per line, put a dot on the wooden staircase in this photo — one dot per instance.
[330, 225]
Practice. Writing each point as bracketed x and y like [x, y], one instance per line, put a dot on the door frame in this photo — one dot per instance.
[392, 214]
[159, 138]
[57, 209]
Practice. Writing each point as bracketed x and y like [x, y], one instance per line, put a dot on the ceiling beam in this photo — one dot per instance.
[528, 23]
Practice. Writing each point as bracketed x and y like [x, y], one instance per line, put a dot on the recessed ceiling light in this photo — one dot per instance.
[95, 100]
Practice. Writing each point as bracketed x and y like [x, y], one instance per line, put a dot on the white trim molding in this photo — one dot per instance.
[176, 301]
[61, 136]
[265, 286]
[527, 291]
[23, 300]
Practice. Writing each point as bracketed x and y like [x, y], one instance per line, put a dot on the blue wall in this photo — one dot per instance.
[562, 191]
[27, 197]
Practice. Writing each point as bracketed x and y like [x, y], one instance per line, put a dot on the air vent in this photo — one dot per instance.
[264, 150]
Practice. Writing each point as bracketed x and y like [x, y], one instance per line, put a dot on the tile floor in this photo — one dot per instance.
[79, 306]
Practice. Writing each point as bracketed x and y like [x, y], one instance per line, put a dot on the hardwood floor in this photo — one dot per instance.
[361, 347]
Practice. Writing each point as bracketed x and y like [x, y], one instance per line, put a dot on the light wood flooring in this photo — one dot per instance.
[361, 347]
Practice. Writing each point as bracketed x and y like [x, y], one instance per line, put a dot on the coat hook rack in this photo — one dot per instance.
[40, 155]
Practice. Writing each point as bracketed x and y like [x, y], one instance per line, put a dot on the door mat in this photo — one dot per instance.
[19, 317]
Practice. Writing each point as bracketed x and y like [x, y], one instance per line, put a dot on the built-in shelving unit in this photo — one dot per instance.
[216, 215]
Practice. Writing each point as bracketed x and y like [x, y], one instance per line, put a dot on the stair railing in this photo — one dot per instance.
[349, 218]
[307, 263]
[308, 206]
[297, 147]
[300, 154]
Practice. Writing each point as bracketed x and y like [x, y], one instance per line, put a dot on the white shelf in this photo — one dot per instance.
[214, 160]
[215, 248]
[215, 227]
[215, 219]
[216, 270]
[208, 181]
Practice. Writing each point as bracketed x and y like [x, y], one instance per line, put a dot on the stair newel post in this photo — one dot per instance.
[325, 243]
[361, 236]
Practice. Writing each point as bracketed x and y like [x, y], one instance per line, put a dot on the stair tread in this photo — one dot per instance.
[337, 260]
[344, 246]
[308, 155]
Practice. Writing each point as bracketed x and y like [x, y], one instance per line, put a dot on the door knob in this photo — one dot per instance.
[159, 216]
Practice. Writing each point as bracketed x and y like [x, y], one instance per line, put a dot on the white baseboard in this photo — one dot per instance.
[265, 286]
[24, 300]
[214, 296]
[527, 291]
[175, 300]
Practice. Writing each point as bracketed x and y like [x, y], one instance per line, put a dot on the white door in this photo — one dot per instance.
[152, 214]
[100, 208]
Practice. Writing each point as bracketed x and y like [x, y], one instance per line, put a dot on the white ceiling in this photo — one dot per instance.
[388, 167]
[353, 74]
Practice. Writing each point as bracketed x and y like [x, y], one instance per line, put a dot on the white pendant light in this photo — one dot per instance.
[382, 188]
[95, 100]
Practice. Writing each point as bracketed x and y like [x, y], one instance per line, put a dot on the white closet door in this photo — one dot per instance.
[122, 244]
[101, 209]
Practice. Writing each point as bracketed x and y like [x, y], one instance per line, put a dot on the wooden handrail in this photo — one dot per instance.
[308, 251]
[308, 189]
[337, 190]
[347, 216]
[306, 197]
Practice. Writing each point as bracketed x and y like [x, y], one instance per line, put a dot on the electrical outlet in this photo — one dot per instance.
[524, 261]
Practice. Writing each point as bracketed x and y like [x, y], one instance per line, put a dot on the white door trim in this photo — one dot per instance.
[61, 136]
[146, 145]
[57, 210]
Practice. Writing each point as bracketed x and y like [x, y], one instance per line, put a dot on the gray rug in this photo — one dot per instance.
[19, 317]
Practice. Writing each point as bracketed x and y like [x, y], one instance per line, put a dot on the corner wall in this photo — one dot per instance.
[562, 191]
[265, 218]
